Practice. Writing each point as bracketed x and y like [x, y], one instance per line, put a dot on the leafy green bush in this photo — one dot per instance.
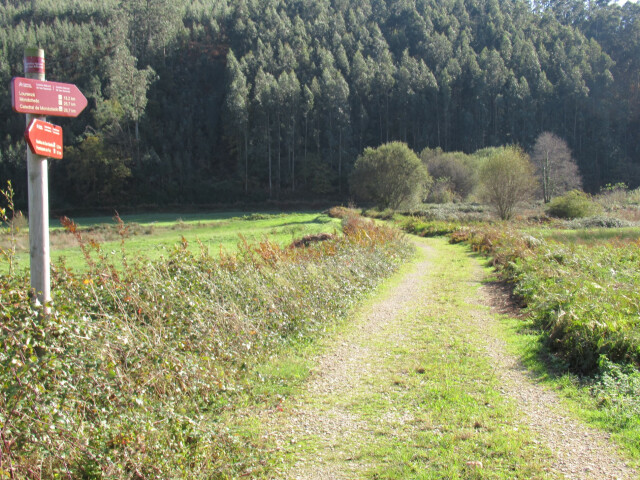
[617, 389]
[574, 204]
[507, 180]
[390, 176]
[127, 377]
[584, 297]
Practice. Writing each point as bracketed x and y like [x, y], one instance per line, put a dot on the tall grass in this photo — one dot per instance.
[128, 375]
[583, 296]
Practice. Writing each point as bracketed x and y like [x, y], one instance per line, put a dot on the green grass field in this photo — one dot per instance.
[588, 236]
[155, 235]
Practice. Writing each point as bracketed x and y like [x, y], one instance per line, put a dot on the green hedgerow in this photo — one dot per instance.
[128, 375]
[573, 204]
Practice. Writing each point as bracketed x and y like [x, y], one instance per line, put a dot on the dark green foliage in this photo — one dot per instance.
[390, 176]
[574, 204]
[310, 85]
[617, 388]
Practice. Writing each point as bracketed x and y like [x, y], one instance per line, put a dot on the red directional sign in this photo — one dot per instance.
[44, 139]
[40, 97]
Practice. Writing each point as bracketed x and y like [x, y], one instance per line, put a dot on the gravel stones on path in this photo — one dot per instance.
[322, 412]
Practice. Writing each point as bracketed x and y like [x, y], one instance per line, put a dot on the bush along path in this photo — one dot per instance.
[420, 386]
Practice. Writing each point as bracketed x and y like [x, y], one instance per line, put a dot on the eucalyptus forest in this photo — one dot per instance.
[211, 101]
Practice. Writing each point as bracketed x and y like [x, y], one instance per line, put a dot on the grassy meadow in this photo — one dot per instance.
[162, 327]
[154, 236]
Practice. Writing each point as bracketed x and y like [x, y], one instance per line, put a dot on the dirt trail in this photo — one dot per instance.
[580, 452]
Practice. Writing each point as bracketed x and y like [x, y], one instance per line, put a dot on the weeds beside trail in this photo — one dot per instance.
[131, 374]
[410, 391]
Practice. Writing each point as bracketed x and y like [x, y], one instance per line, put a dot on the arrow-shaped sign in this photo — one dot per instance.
[40, 97]
[44, 139]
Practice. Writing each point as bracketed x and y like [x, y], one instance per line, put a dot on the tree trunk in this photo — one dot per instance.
[246, 160]
[306, 135]
[293, 157]
[340, 162]
[279, 185]
[269, 156]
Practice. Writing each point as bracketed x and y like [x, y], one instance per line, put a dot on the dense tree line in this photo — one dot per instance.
[216, 100]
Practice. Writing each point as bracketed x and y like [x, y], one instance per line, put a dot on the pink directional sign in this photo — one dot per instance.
[40, 97]
[44, 139]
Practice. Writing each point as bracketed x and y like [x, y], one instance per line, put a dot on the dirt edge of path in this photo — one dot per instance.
[581, 452]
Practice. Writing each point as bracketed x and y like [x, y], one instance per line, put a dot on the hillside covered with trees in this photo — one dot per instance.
[212, 101]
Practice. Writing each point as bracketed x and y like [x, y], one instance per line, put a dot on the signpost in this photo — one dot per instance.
[40, 97]
[36, 97]
[44, 139]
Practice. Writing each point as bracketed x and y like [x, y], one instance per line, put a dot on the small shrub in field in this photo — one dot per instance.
[598, 221]
[428, 228]
[341, 212]
[386, 214]
[574, 204]
[613, 197]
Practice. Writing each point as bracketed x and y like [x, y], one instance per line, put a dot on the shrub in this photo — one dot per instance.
[130, 374]
[454, 176]
[453, 212]
[428, 228]
[614, 196]
[574, 204]
[442, 191]
[617, 387]
[390, 176]
[599, 221]
[507, 180]
[341, 212]
[582, 297]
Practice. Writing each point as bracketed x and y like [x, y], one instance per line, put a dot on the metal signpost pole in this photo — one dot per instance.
[34, 68]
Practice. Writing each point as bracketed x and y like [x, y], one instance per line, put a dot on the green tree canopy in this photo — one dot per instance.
[267, 97]
[391, 176]
[507, 180]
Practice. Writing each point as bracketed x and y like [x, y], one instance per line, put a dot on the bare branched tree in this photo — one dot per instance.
[555, 167]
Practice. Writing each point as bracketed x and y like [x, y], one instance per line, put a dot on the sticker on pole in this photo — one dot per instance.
[41, 97]
[44, 139]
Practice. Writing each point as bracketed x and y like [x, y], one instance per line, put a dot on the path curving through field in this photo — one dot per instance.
[420, 386]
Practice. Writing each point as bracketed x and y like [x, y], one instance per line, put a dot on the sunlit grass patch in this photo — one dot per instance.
[155, 236]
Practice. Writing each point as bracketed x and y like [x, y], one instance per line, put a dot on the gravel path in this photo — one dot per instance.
[581, 453]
